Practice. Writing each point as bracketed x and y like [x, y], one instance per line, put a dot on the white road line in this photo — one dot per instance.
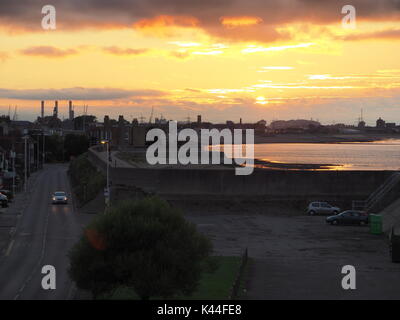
[10, 246]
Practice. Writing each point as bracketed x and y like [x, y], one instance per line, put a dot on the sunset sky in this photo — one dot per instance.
[223, 59]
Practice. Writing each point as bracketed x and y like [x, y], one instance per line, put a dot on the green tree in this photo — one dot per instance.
[83, 121]
[146, 245]
[87, 181]
[54, 148]
[75, 145]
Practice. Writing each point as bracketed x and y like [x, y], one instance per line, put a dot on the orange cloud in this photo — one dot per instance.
[47, 51]
[241, 21]
[390, 34]
[125, 51]
[180, 54]
[165, 25]
[3, 56]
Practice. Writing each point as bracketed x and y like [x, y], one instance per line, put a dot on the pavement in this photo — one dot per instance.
[115, 161]
[39, 234]
[301, 257]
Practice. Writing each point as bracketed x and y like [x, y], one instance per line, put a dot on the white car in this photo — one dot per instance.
[3, 200]
[59, 197]
[322, 208]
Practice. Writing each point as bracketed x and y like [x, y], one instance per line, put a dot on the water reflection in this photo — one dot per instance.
[379, 155]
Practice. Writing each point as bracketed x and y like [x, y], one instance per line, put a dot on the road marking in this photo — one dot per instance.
[12, 231]
[10, 246]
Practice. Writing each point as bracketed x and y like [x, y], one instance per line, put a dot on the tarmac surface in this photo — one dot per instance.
[294, 256]
[301, 257]
[39, 234]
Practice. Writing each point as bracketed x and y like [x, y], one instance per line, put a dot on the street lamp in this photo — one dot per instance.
[107, 193]
[25, 162]
[13, 155]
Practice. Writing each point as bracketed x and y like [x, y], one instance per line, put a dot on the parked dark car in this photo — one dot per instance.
[394, 245]
[349, 217]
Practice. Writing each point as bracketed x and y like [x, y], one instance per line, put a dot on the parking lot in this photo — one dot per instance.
[301, 257]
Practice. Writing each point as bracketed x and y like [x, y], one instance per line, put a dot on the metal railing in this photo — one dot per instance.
[376, 196]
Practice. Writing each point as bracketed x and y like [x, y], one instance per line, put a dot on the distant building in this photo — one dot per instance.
[361, 124]
[260, 127]
[380, 123]
[294, 124]
[230, 124]
[137, 136]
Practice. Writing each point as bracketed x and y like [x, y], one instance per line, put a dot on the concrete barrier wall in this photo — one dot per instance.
[262, 183]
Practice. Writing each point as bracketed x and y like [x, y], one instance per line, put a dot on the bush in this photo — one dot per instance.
[145, 245]
[86, 180]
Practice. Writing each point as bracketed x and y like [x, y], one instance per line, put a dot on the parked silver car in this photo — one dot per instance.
[322, 208]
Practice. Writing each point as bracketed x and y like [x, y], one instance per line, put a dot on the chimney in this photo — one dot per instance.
[55, 112]
[42, 110]
[71, 111]
[199, 119]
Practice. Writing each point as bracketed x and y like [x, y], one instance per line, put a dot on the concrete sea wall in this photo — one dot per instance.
[265, 184]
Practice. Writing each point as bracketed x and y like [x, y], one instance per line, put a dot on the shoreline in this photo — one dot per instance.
[336, 138]
[274, 165]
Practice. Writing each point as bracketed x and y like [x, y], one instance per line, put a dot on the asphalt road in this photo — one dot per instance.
[43, 236]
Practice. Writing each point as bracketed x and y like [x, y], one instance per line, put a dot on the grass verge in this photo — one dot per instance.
[213, 286]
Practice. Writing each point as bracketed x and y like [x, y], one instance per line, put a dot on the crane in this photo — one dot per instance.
[151, 115]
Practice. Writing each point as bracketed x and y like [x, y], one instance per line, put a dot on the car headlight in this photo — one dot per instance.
[54, 198]
[65, 198]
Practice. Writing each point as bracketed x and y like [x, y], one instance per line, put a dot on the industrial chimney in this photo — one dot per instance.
[71, 111]
[42, 110]
[55, 111]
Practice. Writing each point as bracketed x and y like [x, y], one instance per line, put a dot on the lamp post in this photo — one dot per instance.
[25, 162]
[44, 151]
[107, 193]
[13, 154]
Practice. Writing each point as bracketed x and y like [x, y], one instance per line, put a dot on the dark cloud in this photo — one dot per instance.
[47, 51]
[75, 14]
[77, 93]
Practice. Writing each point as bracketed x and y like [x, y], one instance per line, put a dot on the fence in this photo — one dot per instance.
[239, 276]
